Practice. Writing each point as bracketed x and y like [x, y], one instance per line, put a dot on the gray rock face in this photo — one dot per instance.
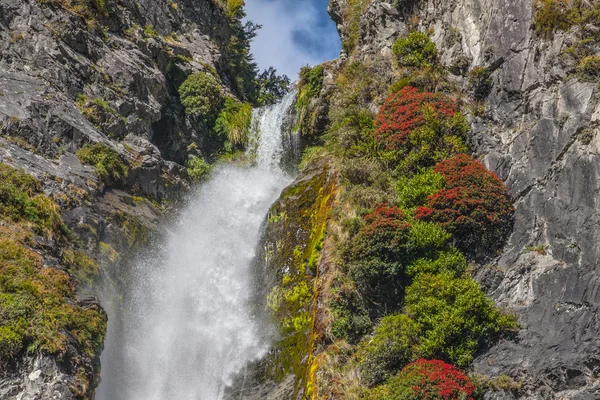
[69, 78]
[540, 133]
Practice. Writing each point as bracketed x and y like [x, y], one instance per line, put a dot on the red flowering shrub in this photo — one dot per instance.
[474, 205]
[421, 126]
[402, 113]
[429, 380]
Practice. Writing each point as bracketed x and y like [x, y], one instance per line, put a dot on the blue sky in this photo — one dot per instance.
[294, 33]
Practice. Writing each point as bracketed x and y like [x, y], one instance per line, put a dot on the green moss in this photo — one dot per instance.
[296, 236]
[80, 266]
[107, 162]
[38, 307]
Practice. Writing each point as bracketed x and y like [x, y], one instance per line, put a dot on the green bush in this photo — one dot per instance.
[21, 200]
[392, 346]
[414, 190]
[350, 317]
[448, 260]
[202, 96]
[107, 162]
[234, 122]
[415, 50]
[455, 317]
[589, 69]
[198, 169]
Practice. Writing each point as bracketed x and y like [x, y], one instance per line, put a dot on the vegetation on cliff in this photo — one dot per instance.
[414, 214]
[39, 311]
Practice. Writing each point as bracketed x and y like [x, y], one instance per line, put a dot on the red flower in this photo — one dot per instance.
[434, 380]
[402, 113]
[474, 205]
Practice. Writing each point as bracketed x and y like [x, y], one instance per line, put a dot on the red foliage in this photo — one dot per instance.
[402, 113]
[435, 380]
[474, 205]
[384, 216]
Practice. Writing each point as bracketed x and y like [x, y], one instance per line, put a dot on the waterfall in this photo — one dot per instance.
[187, 325]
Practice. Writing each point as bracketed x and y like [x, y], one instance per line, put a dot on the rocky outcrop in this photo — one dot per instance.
[74, 73]
[540, 133]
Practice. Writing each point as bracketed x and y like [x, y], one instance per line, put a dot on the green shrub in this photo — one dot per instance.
[21, 200]
[589, 69]
[201, 95]
[455, 317]
[448, 260]
[392, 346]
[553, 15]
[198, 169]
[350, 317]
[413, 191]
[234, 122]
[415, 50]
[107, 162]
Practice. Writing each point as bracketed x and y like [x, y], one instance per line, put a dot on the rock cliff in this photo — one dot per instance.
[539, 132]
[101, 76]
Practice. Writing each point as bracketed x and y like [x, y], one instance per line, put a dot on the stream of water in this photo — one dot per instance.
[186, 323]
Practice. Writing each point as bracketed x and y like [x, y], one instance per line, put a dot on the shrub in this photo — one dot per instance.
[392, 346]
[474, 206]
[455, 317]
[198, 169]
[234, 122]
[107, 162]
[414, 191]
[377, 257]
[551, 15]
[21, 200]
[589, 69]
[428, 379]
[201, 95]
[448, 260]
[351, 320]
[415, 50]
[417, 129]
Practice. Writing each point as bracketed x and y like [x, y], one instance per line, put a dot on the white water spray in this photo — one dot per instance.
[187, 326]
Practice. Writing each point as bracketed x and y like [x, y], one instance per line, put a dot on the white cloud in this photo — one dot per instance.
[274, 44]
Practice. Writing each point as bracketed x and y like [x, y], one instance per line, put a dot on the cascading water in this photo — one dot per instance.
[187, 326]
